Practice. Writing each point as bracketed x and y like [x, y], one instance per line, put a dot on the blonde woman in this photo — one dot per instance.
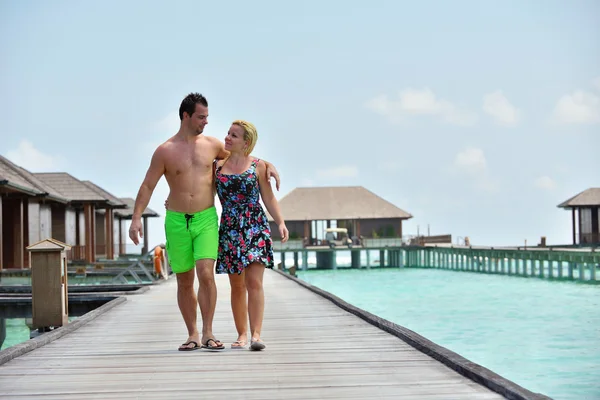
[245, 245]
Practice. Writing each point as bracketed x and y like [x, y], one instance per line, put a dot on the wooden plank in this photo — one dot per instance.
[315, 350]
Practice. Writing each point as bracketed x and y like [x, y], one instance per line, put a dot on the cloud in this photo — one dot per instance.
[471, 159]
[471, 162]
[29, 157]
[420, 102]
[579, 107]
[545, 182]
[343, 171]
[497, 106]
[596, 83]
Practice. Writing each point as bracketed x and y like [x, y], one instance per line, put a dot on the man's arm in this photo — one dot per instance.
[153, 175]
[271, 172]
[221, 152]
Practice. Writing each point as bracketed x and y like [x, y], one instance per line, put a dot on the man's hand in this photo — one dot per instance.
[283, 232]
[272, 173]
[136, 229]
[166, 204]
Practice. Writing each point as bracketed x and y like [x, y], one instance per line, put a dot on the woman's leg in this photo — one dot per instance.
[256, 298]
[239, 307]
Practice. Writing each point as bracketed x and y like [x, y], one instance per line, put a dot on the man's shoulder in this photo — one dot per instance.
[212, 140]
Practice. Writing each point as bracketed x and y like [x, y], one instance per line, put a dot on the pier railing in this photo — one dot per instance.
[581, 264]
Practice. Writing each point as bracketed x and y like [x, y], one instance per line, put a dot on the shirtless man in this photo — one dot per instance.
[191, 222]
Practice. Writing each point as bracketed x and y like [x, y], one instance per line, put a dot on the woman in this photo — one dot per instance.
[245, 245]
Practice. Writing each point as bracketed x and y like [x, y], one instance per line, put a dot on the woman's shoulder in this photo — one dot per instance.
[259, 163]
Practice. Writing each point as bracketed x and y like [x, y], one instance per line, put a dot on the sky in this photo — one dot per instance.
[477, 117]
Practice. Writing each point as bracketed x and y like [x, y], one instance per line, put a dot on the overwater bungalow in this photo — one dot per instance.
[309, 211]
[79, 224]
[38, 206]
[585, 212]
[26, 205]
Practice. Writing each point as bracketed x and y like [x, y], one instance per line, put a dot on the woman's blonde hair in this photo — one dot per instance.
[250, 134]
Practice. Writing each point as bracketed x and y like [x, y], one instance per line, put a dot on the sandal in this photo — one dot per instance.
[239, 344]
[218, 345]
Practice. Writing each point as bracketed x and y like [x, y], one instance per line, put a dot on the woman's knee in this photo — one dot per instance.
[254, 281]
[237, 283]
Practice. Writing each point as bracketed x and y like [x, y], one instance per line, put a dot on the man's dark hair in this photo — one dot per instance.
[188, 104]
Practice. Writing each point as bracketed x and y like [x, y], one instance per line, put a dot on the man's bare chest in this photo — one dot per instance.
[182, 161]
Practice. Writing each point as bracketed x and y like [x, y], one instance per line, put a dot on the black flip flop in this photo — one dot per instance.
[196, 346]
[215, 347]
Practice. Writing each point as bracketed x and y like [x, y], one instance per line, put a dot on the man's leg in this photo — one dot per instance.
[207, 299]
[186, 299]
[181, 257]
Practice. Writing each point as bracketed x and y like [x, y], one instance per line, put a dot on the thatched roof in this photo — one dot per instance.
[112, 200]
[127, 212]
[20, 179]
[333, 203]
[587, 198]
[70, 187]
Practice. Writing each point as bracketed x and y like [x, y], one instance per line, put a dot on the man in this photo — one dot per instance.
[191, 222]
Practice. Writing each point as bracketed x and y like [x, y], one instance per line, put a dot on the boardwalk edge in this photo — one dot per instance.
[456, 362]
[32, 344]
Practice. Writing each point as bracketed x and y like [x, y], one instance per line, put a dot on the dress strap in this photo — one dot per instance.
[255, 163]
[216, 166]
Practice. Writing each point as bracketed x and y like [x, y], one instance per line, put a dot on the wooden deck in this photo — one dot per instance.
[315, 350]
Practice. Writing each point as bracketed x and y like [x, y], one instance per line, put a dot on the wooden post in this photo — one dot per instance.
[121, 239]
[145, 248]
[1, 238]
[18, 233]
[90, 232]
[355, 258]
[573, 218]
[560, 268]
[579, 223]
[108, 236]
[49, 293]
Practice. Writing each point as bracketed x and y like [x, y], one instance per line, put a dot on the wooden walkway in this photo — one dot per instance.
[315, 350]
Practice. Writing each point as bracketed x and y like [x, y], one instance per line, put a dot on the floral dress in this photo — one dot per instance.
[244, 234]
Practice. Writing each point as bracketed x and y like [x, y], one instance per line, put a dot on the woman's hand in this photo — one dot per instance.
[283, 232]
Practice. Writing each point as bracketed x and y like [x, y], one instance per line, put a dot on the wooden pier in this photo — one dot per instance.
[316, 349]
[580, 264]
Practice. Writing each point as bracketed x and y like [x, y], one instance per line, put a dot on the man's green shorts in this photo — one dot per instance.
[191, 237]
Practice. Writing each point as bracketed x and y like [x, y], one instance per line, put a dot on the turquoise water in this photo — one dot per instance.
[16, 330]
[543, 335]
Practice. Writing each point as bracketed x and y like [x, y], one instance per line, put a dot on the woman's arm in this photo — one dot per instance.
[266, 193]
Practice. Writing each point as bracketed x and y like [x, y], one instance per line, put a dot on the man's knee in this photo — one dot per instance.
[185, 280]
[205, 269]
